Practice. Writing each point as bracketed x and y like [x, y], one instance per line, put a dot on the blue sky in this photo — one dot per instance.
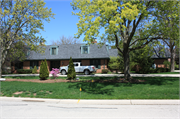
[64, 22]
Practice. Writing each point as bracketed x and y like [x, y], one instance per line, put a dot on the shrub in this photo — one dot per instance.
[46, 68]
[5, 72]
[34, 71]
[116, 63]
[43, 74]
[152, 70]
[24, 71]
[176, 66]
[71, 71]
[159, 70]
[167, 64]
[144, 64]
[54, 72]
[104, 71]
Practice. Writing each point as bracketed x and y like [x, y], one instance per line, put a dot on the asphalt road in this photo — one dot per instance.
[28, 108]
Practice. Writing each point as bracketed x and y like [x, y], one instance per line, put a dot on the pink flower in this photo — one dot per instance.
[54, 72]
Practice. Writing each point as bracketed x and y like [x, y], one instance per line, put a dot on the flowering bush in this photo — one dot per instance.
[54, 72]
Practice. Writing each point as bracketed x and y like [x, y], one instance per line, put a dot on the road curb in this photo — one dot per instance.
[94, 102]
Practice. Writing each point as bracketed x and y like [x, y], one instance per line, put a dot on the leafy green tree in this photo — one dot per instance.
[167, 64]
[167, 21]
[71, 71]
[142, 58]
[21, 20]
[34, 71]
[116, 63]
[120, 20]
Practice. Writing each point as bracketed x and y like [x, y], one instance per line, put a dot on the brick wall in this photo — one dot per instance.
[26, 65]
[85, 62]
[159, 63]
[103, 66]
[64, 63]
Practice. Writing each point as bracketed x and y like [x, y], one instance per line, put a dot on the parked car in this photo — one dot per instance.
[78, 69]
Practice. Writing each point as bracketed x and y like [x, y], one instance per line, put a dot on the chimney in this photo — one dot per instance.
[94, 41]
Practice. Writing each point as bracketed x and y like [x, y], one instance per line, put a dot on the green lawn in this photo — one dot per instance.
[160, 73]
[166, 73]
[30, 77]
[153, 88]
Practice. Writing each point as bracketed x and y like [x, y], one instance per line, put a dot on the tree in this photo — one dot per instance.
[46, 68]
[66, 40]
[34, 71]
[71, 71]
[116, 63]
[21, 21]
[43, 74]
[120, 20]
[167, 20]
[142, 59]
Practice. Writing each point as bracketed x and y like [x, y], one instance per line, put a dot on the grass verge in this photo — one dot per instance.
[152, 88]
[30, 77]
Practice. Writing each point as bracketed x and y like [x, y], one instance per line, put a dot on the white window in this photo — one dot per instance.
[84, 49]
[53, 51]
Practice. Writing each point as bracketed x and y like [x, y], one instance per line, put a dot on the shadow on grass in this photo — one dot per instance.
[157, 80]
[107, 87]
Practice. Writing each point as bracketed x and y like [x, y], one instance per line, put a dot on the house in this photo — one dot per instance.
[159, 57]
[59, 55]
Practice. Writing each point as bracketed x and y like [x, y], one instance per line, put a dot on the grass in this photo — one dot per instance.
[166, 73]
[30, 77]
[152, 88]
[160, 72]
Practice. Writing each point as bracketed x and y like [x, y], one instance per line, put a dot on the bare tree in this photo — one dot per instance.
[66, 40]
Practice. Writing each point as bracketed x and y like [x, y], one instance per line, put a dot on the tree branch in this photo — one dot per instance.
[142, 46]
[138, 40]
[117, 42]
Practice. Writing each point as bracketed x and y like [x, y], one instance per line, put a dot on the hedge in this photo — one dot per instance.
[24, 71]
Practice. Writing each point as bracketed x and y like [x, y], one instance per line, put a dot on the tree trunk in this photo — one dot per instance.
[172, 59]
[126, 65]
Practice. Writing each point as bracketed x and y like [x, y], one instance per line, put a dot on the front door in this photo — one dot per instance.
[55, 64]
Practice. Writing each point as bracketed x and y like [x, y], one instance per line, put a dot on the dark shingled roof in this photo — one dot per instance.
[71, 50]
[113, 52]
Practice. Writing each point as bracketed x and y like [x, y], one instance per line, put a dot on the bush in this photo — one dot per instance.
[167, 64]
[71, 71]
[105, 71]
[159, 70]
[43, 74]
[5, 72]
[152, 70]
[34, 71]
[24, 71]
[54, 72]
